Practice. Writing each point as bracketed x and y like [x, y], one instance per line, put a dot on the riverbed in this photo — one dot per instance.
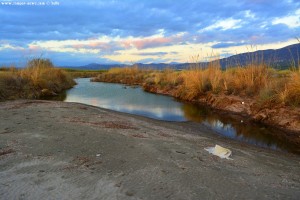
[63, 150]
[134, 100]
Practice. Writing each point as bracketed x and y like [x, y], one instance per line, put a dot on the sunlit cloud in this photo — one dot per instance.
[129, 31]
[249, 14]
[225, 24]
[7, 46]
[292, 21]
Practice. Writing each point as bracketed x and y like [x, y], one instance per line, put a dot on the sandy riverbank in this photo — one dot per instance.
[57, 150]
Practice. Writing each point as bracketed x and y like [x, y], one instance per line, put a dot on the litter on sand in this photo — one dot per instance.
[219, 151]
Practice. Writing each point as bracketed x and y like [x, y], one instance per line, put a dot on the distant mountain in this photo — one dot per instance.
[282, 58]
[278, 58]
[158, 66]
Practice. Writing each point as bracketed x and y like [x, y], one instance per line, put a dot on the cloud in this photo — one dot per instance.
[151, 54]
[224, 24]
[227, 44]
[153, 60]
[7, 46]
[292, 21]
[249, 14]
[151, 42]
[82, 19]
[98, 29]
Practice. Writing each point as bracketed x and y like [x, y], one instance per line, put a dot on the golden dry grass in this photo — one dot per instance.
[257, 81]
[293, 89]
[127, 75]
[39, 78]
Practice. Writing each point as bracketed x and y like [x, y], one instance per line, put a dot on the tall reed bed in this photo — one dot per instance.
[255, 80]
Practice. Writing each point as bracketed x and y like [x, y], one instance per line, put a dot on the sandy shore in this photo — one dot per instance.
[57, 150]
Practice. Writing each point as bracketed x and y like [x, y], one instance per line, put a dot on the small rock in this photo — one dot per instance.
[181, 152]
[128, 193]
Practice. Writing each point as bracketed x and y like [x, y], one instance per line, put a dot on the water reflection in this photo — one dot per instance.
[136, 101]
[129, 100]
[239, 129]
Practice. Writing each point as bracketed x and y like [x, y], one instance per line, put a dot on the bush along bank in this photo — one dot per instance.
[37, 80]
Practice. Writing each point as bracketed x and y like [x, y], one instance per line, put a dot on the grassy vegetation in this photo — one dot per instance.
[40, 78]
[127, 75]
[258, 81]
[78, 73]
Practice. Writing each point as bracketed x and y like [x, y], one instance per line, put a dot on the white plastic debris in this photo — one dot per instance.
[219, 151]
[98, 155]
[243, 102]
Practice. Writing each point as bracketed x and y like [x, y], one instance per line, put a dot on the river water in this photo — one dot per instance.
[132, 100]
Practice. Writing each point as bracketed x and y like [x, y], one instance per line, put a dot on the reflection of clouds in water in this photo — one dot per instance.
[222, 128]
[159, 111]
[229, 131]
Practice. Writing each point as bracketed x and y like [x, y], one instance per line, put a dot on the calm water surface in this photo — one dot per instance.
[135, 101]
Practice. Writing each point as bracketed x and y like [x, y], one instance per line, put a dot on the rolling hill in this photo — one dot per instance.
[282, 58]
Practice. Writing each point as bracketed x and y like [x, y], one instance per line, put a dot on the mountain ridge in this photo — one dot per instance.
[282, 58]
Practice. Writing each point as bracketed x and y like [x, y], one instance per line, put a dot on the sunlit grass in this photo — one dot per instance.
[83, 73]
[128, 75]
[38, 79]
[255, 80]
[293, 89]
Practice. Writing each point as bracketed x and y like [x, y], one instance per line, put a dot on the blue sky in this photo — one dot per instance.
[128, 31]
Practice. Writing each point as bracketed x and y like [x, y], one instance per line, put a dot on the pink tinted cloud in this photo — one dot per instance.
[100, 45]
[255, 38]
[34, 47]
[94, 45]
[149, 42]
[78, 46]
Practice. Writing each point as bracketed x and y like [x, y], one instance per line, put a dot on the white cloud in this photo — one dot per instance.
[226, 24]
[249, 14]
[10, 47]
[292, 21]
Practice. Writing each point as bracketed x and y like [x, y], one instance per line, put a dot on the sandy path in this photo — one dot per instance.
[57, 150]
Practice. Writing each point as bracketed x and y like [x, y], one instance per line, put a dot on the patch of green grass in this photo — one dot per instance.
[81, 73]
[127, 75]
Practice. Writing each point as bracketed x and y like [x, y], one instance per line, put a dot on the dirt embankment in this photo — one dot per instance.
[57, 150]
[281, 116]
[284, 117]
